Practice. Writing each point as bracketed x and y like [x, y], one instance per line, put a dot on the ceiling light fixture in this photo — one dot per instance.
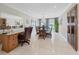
[55, 6]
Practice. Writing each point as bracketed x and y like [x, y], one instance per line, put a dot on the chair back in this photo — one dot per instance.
[28, 31]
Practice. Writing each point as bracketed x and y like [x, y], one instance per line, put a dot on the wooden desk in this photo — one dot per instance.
[9, 42]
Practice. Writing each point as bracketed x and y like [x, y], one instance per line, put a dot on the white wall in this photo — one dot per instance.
[63, 26]
[14, 14]
[63, 22]
[11, 19]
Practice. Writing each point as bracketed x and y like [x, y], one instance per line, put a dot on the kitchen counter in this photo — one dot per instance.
[12, 31]
[10, 40]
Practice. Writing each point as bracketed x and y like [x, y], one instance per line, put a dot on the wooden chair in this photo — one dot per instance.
[42, 33]
[37, 30]
[49, 33]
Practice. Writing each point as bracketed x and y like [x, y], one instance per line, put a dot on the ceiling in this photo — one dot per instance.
[39, 10]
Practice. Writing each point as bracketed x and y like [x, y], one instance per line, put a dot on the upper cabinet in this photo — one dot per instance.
[2, 22]
[72, 27]
[11, 20]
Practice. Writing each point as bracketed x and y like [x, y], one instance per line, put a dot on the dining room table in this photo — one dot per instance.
[42, 33]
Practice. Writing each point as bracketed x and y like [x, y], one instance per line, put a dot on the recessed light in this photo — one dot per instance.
[55, 6]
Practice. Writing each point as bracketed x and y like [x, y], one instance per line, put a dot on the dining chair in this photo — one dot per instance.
[49, 32]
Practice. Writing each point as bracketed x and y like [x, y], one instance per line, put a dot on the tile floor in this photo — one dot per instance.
[55, 46]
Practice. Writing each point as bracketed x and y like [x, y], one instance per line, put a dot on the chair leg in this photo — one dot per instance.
[27, 42]
[44, 37]
[22, 43]
[51, 36]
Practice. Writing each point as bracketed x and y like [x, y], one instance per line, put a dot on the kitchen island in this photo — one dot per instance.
[10, 39]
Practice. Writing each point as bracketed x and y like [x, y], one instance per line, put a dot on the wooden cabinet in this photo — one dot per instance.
[0, 38]
[72, 28]
[2, 22]
[9, 42]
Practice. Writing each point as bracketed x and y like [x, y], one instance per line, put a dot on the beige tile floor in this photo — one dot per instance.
[54, 46]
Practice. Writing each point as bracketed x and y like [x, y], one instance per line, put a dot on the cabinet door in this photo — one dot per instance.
[5, 42]
[11, 41]
[15, 40]
[0, 38]
[2, 22]
[73, 40]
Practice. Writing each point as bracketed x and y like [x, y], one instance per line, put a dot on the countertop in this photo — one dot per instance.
[12, 31]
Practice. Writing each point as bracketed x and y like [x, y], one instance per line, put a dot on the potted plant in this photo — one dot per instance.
[56, 25]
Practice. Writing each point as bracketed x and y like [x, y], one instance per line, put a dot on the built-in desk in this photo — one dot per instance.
[10, 40]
